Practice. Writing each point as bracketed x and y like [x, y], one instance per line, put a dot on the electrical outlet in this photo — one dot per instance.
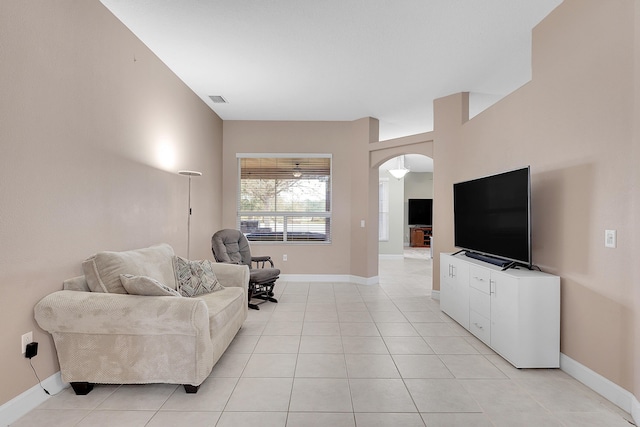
[26, 339]
[610, 238]
[284, 257]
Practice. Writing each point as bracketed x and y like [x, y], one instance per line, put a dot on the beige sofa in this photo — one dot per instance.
[104, 335]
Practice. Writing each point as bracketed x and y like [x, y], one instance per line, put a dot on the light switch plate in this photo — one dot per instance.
[610, 238]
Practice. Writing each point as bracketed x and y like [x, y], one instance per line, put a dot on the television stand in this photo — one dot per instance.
[516, 312]
[488, 259]
[421, 236]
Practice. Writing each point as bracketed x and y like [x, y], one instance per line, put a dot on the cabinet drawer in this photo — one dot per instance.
[480, 302]
[480, 326]
[479, 278]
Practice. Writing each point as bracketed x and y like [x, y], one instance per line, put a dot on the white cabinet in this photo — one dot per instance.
[454, 289]
[515, 312]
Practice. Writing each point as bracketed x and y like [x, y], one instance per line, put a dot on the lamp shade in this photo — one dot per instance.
[190, 173]
[398, 173]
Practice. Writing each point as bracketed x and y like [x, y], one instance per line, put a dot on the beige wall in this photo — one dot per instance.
[418, 185]
[635, 156]
[93, 128]
[353, 250]
[575, 123]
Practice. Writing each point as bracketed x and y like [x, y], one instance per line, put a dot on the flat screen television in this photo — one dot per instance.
[420, 212]
[492, 216]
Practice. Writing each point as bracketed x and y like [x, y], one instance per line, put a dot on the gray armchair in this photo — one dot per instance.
[232, 247]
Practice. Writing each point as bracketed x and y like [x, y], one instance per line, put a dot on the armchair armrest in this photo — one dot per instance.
[261, 260]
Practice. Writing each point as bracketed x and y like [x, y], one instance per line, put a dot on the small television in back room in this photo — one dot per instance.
[492, 216]
[420, 212]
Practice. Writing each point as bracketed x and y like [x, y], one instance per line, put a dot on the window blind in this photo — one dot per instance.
[285, 198]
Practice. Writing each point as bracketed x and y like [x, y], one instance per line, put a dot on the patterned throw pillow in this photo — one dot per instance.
[195, 277]
[144, 285]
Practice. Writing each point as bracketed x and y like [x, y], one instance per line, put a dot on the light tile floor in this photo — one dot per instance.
[339, 354]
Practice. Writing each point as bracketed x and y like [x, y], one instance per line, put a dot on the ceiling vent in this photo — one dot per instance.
[217, 99]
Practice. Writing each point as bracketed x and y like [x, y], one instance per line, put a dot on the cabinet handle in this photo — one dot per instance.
[478, 326]
[492, 287]
[479, 279]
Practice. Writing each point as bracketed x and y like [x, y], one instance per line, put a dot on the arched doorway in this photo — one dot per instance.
[379, 153]
[402, 194]
[396, 256]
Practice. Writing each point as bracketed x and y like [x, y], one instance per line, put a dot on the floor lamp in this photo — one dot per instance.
[189, 174]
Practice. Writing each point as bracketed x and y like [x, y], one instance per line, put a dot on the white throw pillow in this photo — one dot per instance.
[144, 285]
[102, 270]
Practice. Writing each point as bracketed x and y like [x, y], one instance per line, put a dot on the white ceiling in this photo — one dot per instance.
[340, 59]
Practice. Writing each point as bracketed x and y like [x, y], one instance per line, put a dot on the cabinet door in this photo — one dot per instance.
[504, 316]
[447, 288]
[454, 289]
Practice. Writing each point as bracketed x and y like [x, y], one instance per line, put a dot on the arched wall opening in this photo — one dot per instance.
[395, 222]
[419, 147]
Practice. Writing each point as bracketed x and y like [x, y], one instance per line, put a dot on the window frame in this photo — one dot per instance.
[288, 215]
[383, 209]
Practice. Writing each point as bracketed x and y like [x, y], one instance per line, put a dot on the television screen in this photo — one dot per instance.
[492, 215]
[420, 212]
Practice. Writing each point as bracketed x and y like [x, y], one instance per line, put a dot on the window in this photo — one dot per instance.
[285, 198]
[383, 209]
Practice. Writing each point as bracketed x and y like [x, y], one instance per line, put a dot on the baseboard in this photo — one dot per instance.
[30, 399]
[340, 278]
[604, 387]
[435, 294]
[635, 410]
[365, 280]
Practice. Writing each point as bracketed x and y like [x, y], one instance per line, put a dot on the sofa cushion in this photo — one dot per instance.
[103, 269]
[195, 277]
[223, 306]
[144, 285]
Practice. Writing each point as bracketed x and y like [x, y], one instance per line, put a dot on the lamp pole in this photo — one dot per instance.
[189, 174]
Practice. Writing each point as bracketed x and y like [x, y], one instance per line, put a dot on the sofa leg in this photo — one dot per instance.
[82, 388]
[191, 388]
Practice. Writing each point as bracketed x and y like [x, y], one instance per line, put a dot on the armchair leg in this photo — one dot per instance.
[82, 388]
[191, 388]
[262, 292]
[265, 298]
